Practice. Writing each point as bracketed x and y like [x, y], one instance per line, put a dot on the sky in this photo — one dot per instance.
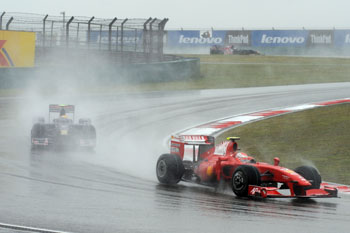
[196, 14]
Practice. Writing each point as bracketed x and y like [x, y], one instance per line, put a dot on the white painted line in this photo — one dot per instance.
[31, 229]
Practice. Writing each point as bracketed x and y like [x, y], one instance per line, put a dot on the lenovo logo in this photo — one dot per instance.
[199, 40]
[282, 39]
[347, 39]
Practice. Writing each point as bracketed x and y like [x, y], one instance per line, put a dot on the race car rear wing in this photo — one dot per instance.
[194, 139]
[177, 143]
[57, 108]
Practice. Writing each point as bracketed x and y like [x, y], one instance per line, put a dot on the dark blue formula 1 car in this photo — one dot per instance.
[61, 132]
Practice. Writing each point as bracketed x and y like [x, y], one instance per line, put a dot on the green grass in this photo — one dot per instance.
[249, 71]
[225, 71]
[10, 92]
[317, 137]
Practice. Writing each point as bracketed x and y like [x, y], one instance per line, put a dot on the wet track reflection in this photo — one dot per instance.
[257, 214]
[114, 189]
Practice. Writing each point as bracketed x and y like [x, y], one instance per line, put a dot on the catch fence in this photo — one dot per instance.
[141, 39]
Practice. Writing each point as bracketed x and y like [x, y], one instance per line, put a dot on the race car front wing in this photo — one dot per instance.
[273, 192]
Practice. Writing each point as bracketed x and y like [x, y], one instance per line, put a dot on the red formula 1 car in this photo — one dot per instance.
[195, 158]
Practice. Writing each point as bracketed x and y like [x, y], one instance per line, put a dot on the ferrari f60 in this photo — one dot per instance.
[209, 165]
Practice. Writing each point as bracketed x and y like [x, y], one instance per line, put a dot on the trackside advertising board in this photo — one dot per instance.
[130, 37]
[279, 38]
[238, 38]
[342, 38]
[320, 38]
[195, 38]
[280, 42]
[17, 49]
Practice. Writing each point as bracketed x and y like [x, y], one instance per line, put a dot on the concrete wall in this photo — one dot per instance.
[84, 71]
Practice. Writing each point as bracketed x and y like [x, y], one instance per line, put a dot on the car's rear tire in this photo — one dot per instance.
[38, 131]
[242, 177]
[169, 169]
[312, 175]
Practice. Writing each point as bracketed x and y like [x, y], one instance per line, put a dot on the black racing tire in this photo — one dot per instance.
[169, 169]
[90, 132]
[312, 175]
[38, 130]
[244, 176]
[33, 148]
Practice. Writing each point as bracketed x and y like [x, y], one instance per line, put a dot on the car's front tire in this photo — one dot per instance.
[312, 175]
[242, 177]
[169, 169]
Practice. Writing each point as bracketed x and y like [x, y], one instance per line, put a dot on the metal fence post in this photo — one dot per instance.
[110, 33]
[52, 22]
[135, 40]
[44, 29]
[89, 30]
[161, 27]
[2, 15]
[116, 39]
[67, 30]
[122, 35]
[144, 36]
[151, 36]
[64, 18]
[8, 23]
[78, 34]
[99, 42]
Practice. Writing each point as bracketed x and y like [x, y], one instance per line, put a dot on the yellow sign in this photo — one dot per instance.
[17, 49]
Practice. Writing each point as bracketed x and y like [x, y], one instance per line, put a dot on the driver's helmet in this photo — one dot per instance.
[63, 114]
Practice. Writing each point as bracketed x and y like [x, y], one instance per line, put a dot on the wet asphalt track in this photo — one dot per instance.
[115, 189]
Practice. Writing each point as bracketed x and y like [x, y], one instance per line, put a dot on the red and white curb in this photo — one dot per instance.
[341, 188]
[214, 128]
[218, 126]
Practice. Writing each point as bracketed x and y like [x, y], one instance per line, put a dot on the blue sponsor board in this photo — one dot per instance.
[129, 36]
[342, 38]
[258, 38]
[238, 38]
[279, 38]
[323, 38]
[195, 38]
